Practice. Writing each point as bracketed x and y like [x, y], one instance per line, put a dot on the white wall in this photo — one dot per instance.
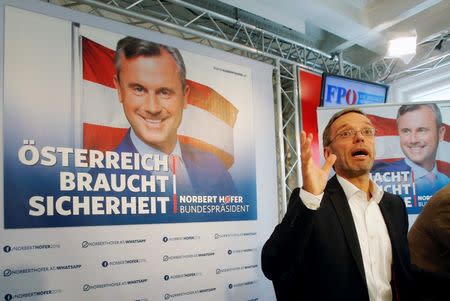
[430, 86]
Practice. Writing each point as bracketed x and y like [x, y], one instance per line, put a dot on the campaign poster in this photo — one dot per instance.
[85, 215]
[94, 146]
[412, 142]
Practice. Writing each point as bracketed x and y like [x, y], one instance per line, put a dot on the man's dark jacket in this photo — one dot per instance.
[206, 172]
[315, 254]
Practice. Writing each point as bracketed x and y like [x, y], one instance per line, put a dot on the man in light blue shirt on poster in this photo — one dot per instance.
[427, 182]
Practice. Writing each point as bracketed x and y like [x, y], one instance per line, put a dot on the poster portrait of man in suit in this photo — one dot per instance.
[420, 129]
[151, 85]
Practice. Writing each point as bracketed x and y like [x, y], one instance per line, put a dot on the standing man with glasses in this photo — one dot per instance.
[343, 238]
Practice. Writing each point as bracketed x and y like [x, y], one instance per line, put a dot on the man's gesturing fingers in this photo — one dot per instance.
[329, 163]
[306, 141]
[314, 177]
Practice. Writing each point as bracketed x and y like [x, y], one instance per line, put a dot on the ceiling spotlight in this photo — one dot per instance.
[403, 48]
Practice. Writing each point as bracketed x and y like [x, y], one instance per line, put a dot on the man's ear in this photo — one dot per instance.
[327, 152]
[441, 132]
[187, 90]
[117, 86]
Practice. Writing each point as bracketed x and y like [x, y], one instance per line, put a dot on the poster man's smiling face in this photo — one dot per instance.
[153, 98]
[420, 136]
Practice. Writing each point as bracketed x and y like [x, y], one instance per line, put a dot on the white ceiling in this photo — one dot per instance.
[358, 28]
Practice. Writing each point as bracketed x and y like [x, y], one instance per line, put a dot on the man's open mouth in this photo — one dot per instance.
[360, 153]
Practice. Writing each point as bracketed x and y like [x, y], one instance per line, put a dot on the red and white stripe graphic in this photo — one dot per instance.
[208, 120]
[173, 164]
[388, 145]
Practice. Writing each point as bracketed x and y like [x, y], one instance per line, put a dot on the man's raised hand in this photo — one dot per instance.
[314, 177]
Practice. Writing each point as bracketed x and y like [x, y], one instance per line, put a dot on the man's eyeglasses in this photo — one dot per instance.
[347, 134]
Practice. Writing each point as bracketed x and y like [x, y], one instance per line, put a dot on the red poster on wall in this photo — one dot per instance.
[310, 86]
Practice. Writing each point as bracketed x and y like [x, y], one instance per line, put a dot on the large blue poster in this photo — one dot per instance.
[131, 185]
[123, 130]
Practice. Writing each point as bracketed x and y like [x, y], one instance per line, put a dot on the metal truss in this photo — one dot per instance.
[431, 55]
[425, 66]
[287, 123]
[204, 26]
[379, 70]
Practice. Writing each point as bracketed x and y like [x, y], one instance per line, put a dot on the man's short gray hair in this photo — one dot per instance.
[326, 137]
[416, 106]
[132, 47]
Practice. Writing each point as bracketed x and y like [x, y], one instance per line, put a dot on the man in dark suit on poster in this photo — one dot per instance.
[151, 84]
[343, 238]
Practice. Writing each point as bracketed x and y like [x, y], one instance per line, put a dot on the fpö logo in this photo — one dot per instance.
[336, 95]
[340, 95]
